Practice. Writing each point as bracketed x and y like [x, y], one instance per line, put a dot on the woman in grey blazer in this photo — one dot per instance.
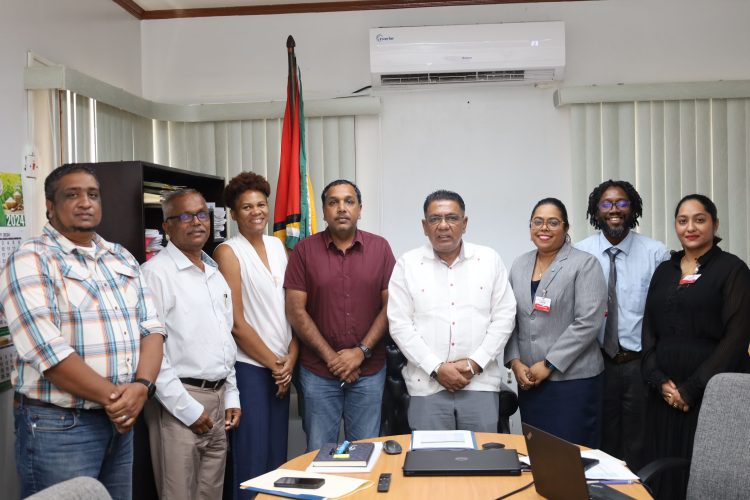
[553, 351]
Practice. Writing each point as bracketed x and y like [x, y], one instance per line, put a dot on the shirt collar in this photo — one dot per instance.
[328, 240]
[182, 262]
[67, 246]
[466, 252]
[624, 246]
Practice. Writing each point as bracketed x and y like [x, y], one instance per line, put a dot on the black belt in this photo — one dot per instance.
[623, 356]
[21, 400]
[203, 384]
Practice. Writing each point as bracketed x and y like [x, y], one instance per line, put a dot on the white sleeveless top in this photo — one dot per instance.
[263, 294]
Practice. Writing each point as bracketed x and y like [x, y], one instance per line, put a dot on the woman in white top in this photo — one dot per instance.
[253, 264]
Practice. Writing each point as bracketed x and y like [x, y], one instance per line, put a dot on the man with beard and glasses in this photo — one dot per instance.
[628, 260]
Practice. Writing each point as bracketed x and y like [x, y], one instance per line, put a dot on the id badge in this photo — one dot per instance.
[690, 278]
[542, 303]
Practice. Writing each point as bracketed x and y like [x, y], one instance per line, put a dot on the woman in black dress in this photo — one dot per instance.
[696, 324]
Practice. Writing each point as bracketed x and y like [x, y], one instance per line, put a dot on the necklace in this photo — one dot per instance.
[684, 261]
[539, 263]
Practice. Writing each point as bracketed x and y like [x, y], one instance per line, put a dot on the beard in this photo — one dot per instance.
[616, 232]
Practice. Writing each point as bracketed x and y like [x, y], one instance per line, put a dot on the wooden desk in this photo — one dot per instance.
[453, 487]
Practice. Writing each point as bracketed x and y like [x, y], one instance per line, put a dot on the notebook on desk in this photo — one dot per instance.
[462, 463]
[558, 470]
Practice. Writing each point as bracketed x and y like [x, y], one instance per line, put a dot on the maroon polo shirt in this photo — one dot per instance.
[343, 292]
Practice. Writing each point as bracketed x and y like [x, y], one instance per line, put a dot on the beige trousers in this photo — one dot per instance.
[188, 466]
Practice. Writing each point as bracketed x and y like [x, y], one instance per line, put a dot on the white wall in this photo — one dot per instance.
[503, 148]
[93, 36]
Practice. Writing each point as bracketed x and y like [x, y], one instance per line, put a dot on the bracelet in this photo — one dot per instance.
[471, 368]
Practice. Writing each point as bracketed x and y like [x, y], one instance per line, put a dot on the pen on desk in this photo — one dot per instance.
[616, 482]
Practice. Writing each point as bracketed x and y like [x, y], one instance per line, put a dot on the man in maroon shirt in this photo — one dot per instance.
[336, 293]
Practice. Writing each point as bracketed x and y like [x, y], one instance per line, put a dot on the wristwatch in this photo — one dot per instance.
[365, 350]
[149, 385]
[434, 373]
[549, 365]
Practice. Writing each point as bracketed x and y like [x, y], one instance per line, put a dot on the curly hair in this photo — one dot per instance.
[245, 181]
[636, 204]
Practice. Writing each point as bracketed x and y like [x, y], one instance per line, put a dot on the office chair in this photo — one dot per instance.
[720, 463]
[78, 488]
[394, 419]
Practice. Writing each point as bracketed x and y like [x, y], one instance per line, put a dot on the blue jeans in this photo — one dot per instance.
[326, 402]
[56, 444]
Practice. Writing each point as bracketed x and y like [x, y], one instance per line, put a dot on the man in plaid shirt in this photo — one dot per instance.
[88, 340]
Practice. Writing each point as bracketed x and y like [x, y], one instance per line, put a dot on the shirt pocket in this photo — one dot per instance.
[80, 289]
[634, 299]
[127, 284]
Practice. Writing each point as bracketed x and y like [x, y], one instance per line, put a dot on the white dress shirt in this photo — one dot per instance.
[440, 313]
[196, 308]
[636, 262]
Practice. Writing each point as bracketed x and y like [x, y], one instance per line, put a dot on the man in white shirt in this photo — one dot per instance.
[451, 311]
[196, 388]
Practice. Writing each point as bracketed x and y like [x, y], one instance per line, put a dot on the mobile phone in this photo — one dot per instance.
[308, 483]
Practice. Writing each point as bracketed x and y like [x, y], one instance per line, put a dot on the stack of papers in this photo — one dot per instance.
[443, 440]
[153, 242]
[609, 468]
[334, 487]
[220, 220]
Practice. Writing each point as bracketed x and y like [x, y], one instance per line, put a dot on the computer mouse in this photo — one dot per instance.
[391, 447]
[492, 446]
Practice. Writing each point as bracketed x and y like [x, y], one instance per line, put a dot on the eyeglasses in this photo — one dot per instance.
[186, 217]
[606, 205]
[552, 223]
[450, 219]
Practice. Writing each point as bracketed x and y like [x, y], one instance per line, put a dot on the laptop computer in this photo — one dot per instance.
[558, 471]
[462, 463]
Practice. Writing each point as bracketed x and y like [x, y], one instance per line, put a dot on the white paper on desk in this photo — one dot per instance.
[352, 470]
[608, 468]
[334, 487]
[426, 440]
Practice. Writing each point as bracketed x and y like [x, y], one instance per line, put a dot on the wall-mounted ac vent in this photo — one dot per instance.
[433, 55]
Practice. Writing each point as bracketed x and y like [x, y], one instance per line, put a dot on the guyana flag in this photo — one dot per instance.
[294, 213]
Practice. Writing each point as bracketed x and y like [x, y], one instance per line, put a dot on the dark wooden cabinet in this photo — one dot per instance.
[124, 214]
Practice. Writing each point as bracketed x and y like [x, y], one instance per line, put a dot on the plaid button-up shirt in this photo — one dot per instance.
[59, 299]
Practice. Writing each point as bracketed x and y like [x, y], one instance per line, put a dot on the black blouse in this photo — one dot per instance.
[693, 331]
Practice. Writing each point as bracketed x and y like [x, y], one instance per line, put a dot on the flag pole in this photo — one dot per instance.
[292, 64]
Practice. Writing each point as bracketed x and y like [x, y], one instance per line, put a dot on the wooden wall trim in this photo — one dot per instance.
[299, 8]
[131, 7]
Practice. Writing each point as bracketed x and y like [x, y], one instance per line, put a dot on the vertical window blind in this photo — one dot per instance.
[92, 131]
[667, 149]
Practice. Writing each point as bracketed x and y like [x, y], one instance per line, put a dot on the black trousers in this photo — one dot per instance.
[624, 412]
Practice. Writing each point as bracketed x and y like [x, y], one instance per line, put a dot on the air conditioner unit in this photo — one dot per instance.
[427, 55]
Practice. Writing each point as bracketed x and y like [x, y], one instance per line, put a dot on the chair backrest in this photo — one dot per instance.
[78, 488]
[720, 466]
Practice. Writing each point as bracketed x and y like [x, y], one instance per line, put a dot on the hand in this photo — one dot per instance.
[449, 377]
[127, 403]
[231, 418]
[462, 365]
[539, 372]
[282, 374]
[672, 396]
[522, 374]
[283, 389]
[346, 362]
[203, 424]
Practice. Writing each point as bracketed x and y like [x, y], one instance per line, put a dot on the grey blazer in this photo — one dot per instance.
[566, 335]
